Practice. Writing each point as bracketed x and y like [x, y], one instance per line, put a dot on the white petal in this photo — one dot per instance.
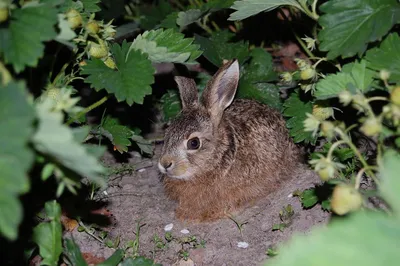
[242, 244]
[185, 231]
[168, 227]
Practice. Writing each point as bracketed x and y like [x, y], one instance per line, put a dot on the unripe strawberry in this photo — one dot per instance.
[74, 18]
[3, 14]
[98, 50]
[327, 129]
[345, 97]
[326, 173]
[345, 199]
[93, 27]
[82, 63]
[384, 74]
[308, 73]
[395, 95]
[371, 127]
[110, 63]
[286, 77]
[53, 93]
[322, 113]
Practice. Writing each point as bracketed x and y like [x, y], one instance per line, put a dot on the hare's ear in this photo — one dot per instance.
[221, 89]
[188, 91]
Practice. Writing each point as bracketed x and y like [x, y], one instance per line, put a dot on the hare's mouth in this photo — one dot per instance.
[179, 171]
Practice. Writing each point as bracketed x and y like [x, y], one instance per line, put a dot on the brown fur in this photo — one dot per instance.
[246, 150]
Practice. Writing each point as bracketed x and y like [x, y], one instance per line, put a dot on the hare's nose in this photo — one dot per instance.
[166, 163]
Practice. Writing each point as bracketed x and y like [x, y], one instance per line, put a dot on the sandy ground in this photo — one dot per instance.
[137, 197]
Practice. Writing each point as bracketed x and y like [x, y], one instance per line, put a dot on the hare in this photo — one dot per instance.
[221, 153]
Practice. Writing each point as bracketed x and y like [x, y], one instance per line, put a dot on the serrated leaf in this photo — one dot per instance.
[308, 198]
[21, 49]
[248, 8]
[55, 139]
[171, 104]
[348, 26]
[91, 5]
[391, 183]
[185, 18]
[387, 56]
[114, 259]
[217, 48]
[356, 74]
[119, 135]
[266, 93]
[370, 235]
[47, 235]
[16, 119]
[73, 253]
[166, 46]
[296, 109]
[145, 145]
[260, 68]
[131, 80]
[169, 22]
[216, 5]
[154, 14]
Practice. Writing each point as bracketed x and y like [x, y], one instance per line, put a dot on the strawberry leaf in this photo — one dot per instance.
[119, 135]
[21, 49]
[166, 46]
[348, 26]
[387, 56]
[296, 109]
[248, 8]
[131, 80]
[16, 118]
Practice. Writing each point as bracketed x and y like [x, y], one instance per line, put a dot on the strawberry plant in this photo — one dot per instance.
[65, 63]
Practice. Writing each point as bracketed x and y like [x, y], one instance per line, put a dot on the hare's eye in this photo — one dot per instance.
[193, 143]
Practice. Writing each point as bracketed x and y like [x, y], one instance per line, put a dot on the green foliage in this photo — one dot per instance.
[21, 49]
[47, 235]
[139, 261]
[386, 56]
[248, 8]
[364, 231]
[171, 105]
[73, 253]
[217, 48]
[119, 135]
[131, 80]
[186, 18]
[153, 15]
[296, 109]
[166, 46]
[349, 27]
[16, 121]
[114, 259]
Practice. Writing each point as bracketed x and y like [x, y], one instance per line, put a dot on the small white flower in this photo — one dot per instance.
[242, 244]
[168, 227]
[185, 231]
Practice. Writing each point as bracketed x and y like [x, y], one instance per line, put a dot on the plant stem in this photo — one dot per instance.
[377, 98]
[307, 11]
[333, 147]
[5, 74]
[87, 231]
[87, 110]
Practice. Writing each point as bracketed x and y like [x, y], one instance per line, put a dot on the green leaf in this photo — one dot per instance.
[185, 18]
[391, 182]
[21, 42]
[119, 135]
[145, 145]
[308, 198]
[131, 80]
[356, 74]
[348, 26]
[365, 238]
[171, 104]
[217, 48]
[266, 93]
[114, 259]
[73, 253]
[166, 46]
[216, 5]
[296, 109]
[55, 139]
[154, 14]
[248, 8]
[260, 68]
[47, 235]
[139, 261]
[16, 118]
[65, 34]
[387, 56]
[169, 22]
[91, 5]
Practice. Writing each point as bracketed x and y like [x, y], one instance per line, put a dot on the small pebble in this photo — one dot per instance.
[105, 192]
[242, 244]
[185, 231]
[168, 227]
[141, 170]
[290, 195]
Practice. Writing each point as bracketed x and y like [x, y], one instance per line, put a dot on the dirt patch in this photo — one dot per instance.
[138, 197]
